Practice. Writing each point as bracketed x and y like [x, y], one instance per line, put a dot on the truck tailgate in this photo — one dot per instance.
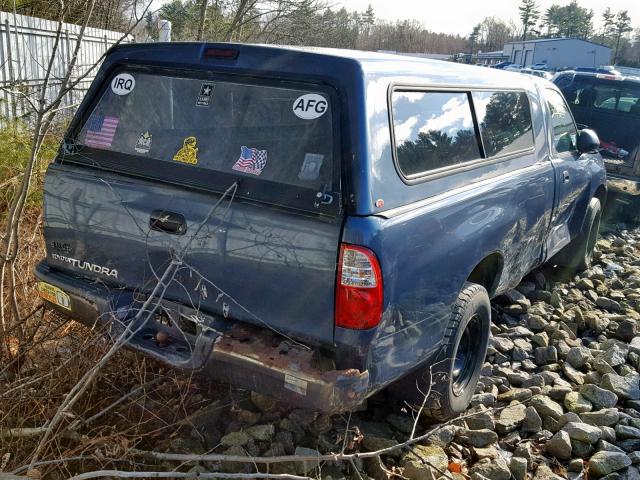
[250, 262]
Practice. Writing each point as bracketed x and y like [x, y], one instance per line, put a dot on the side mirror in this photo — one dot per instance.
[588, 141]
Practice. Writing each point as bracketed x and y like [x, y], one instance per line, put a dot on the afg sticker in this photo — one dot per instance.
[189, 151]
[310, 106]
[54, 295]
[123, 84]
[143, 145]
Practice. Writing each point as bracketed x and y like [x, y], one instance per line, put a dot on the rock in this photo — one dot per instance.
[626, 388]
[477, 438]
[264, 403]
[576, 465]
[307, 466]
[481, 421]
[510, 418]
[495, 469]
[234, 467]
[536, 323]
[487, 399]
[572, 374]
[402, 423]
[581, 449]
[634, 346]
[261, 432]
[578, 357]
[515, 394]
[627, 329]
[489, 452]
[599, 397]
[583, 432]
[235, 439]
[601, 418]
[532, 421]
[546, 407]
[624, 432]
[614, 355]
[540, 339]
[604, 463]
[567, 418]
[502, 344]
[560, 446]
[518, 467]
[545, 473]
[574, 402]
[545, 355]
[415, 469]
[609, 305]
[585, 284]
[371, 443]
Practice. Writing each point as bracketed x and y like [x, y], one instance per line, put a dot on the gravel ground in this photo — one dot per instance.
[559, 396]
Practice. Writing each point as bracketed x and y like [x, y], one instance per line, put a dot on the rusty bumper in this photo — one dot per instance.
[250, 357]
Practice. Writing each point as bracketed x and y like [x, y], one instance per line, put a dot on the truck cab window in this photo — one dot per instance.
[564, 128]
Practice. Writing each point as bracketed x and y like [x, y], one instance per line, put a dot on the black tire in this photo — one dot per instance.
[578, 255]
[453, 376]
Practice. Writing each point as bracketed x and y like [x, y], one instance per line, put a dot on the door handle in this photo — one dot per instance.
[565, 176]
[168, 222]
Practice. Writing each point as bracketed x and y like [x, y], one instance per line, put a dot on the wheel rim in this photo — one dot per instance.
[467, 354]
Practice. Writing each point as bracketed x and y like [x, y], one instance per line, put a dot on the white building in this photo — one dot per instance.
[558, 53]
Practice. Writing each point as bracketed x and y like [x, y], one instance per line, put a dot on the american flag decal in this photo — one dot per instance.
[100, 131]
[251, 161]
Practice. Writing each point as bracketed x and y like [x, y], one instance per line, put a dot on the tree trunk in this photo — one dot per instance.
[203, 17]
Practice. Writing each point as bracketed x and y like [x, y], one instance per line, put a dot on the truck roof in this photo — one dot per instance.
[288, 59]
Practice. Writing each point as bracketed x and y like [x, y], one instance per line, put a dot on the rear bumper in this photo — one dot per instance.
[624, 185]
[246, 356]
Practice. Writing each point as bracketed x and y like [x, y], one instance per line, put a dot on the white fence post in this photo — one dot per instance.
[24, 54]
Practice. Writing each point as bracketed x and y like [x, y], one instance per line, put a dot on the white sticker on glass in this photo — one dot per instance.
[123, 84]
[310, 106]
[310, 168]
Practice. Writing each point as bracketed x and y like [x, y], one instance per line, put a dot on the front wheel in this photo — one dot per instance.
[450, 380]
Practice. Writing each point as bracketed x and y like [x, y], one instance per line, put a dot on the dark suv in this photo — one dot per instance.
[314, 224]
[610, 105]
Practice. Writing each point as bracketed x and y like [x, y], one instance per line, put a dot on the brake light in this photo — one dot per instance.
[223, 53]
[359, 289]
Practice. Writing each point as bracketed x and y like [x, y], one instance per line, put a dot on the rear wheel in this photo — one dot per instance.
[578, 255]
[451, 379]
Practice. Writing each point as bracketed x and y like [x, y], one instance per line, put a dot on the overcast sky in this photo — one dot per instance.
[459, 16]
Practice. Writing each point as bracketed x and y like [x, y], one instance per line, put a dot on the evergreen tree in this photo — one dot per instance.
[529, 15]
[622, 28]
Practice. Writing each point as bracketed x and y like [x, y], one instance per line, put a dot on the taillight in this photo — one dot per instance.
[359, 289]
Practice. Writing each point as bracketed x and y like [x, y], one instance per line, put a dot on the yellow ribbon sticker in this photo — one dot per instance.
[189, 151]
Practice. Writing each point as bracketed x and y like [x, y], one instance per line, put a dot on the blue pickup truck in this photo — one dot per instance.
[313, 224]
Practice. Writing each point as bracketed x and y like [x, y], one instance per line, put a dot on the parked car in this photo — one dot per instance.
[501, 65]
[314, 224]
[538, 66]
[514, 67]
[605, 69]
[537, 73]
[610, 105]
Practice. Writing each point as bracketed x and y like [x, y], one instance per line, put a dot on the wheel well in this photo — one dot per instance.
[487, 273]
[601, 194]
